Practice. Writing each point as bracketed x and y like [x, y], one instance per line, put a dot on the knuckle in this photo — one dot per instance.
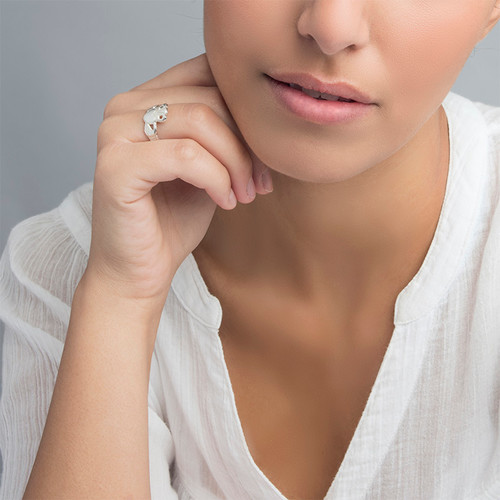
[109, 157]
[106, 156]
[187, 149]
[104, 127]
[216, 102]
[199, 115]
[114, 105]
[106, 131]
[215, 98]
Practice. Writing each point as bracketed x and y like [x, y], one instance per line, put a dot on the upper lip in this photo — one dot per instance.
[308, 81]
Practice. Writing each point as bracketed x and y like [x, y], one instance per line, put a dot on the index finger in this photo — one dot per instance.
[193, 72]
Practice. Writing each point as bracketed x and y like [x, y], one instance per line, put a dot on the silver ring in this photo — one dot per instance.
[155, 114]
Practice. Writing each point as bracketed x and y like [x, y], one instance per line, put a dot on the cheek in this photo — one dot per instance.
[237, 33]
[224, 48]
[428, 45]
[417, 49]
[233, 28]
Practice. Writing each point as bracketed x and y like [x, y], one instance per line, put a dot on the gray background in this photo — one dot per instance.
[59, 59]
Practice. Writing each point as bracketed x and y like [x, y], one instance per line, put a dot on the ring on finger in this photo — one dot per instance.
[155, 114]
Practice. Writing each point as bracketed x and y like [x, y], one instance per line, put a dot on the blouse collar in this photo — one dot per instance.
[469, 156]
[468, 135]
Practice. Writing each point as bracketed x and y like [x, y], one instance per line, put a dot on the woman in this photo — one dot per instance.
[335, 338]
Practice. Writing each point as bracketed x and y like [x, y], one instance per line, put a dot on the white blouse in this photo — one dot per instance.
[430, 428]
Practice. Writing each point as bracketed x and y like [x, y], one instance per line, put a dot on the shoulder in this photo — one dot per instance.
[66, 226]
[472, 116]
[489, 220]
[43, 262]
[491, 114]
[477, 127]
[491, 117]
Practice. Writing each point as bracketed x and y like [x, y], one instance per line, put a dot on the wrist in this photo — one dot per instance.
[147, 299]
[115, 313]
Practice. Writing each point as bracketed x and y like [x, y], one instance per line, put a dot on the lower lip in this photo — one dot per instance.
[322, 112]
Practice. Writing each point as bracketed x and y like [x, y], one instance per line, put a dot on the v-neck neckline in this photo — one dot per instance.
[372, 437]
[402, 361]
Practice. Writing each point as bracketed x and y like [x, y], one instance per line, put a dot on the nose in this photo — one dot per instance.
[335, 24]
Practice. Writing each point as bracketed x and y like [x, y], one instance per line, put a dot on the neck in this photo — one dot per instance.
[342, 239]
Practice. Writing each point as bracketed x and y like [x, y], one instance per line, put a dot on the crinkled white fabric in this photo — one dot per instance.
[430, 428]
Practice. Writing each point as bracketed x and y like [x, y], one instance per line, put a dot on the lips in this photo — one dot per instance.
[321, 89]
[328, 112]
[319, 95]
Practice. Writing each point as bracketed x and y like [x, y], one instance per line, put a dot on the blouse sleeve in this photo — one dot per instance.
[40, 268]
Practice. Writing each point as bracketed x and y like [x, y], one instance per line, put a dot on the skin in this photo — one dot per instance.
[354, 206]
[334, 229]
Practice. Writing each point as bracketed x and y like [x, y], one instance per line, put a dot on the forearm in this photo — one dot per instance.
[95, 441]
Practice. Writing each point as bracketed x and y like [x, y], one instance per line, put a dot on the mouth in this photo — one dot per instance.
[320, 96]
[327, 104]
[321, 89]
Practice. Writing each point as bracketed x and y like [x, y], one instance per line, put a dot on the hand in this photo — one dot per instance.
[153, 201]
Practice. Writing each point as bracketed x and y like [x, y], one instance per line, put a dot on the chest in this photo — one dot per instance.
[301, 378]
[299, 409]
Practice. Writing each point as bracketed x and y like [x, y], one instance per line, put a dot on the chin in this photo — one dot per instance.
[302, 166]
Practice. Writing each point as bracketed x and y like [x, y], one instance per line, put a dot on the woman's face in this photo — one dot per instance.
[405, 54]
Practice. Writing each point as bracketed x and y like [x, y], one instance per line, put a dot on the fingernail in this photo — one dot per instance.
[232, 199]
[267, 181]
[251, 188]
